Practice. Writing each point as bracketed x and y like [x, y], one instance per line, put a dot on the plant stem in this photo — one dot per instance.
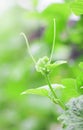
[27, 43]
[47, 78]
[53, 40]
[54, 94]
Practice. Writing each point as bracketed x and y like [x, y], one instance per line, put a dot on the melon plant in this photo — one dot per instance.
[68, 94]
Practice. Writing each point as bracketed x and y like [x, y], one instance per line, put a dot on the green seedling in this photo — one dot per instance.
[44, 66]
[72, 117]
[71, 96]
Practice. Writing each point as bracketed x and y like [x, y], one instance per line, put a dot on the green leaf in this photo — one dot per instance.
[77, 7]
[72, 118]
[44, 91]
[81, 65]
[79, 82]
[57, 63]
[69, 91]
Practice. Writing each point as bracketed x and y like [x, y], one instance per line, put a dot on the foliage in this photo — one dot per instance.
[45, 91]
[17, 72]
[77, 7]
[71, 87]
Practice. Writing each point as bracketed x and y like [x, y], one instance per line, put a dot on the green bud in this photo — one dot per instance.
[42, 65]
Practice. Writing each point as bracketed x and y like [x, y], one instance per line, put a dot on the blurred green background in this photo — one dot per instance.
[17, 71]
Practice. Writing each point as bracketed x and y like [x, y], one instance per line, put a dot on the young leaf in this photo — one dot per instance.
[55, 64]
[44, 91]
[77, 7]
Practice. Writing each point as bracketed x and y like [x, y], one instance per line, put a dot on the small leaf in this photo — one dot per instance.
[55, 64]
[44, 91]
[81, 65]
[77, 7]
